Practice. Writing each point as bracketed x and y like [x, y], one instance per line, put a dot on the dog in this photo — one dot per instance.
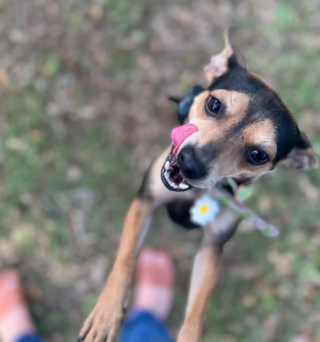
[237, 127]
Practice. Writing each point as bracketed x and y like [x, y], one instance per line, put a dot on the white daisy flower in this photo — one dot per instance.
[204, 210]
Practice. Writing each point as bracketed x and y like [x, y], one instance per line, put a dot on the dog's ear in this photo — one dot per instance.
[302, 155]
[185, 103]
[224, 61]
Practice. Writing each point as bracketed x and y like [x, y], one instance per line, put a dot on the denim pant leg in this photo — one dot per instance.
[29, 338]
[142, 326]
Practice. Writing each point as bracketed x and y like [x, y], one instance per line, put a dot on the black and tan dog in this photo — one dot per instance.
[237, 127]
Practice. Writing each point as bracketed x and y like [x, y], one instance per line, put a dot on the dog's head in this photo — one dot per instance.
[238, 127]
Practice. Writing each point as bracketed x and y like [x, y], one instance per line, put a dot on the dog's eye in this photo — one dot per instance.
[257, 157]
[213, 106]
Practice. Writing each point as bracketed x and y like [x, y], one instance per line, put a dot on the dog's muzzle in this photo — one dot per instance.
[171, 176]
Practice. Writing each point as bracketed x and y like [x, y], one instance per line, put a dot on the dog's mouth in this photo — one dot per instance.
[171, 175]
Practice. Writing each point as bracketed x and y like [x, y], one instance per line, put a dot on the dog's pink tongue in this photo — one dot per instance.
[180, 134]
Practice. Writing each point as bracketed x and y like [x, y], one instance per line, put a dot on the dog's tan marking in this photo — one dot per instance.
[236, 103]
[262, 134]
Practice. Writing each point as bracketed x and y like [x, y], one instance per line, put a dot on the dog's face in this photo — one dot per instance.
[238, 127]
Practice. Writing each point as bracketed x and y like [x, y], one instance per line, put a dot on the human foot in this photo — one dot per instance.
[155, 278]
[15, 319]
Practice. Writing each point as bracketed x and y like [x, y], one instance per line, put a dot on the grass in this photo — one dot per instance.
[56, 165]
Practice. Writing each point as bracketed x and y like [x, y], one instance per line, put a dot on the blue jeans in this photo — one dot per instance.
[139, 326]
[29, 338]
[142, 326]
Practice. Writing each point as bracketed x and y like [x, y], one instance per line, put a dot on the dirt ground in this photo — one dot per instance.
[84, 110]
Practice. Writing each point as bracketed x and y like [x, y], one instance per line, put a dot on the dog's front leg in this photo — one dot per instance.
[104, 320]
[205, 274]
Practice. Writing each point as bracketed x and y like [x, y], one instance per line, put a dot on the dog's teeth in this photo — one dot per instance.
[183, 186]
[167, 165]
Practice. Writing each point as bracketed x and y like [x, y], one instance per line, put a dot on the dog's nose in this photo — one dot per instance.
[190, 165]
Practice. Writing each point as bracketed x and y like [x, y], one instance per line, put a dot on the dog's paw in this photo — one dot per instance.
[103, 323]
[189, 333]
